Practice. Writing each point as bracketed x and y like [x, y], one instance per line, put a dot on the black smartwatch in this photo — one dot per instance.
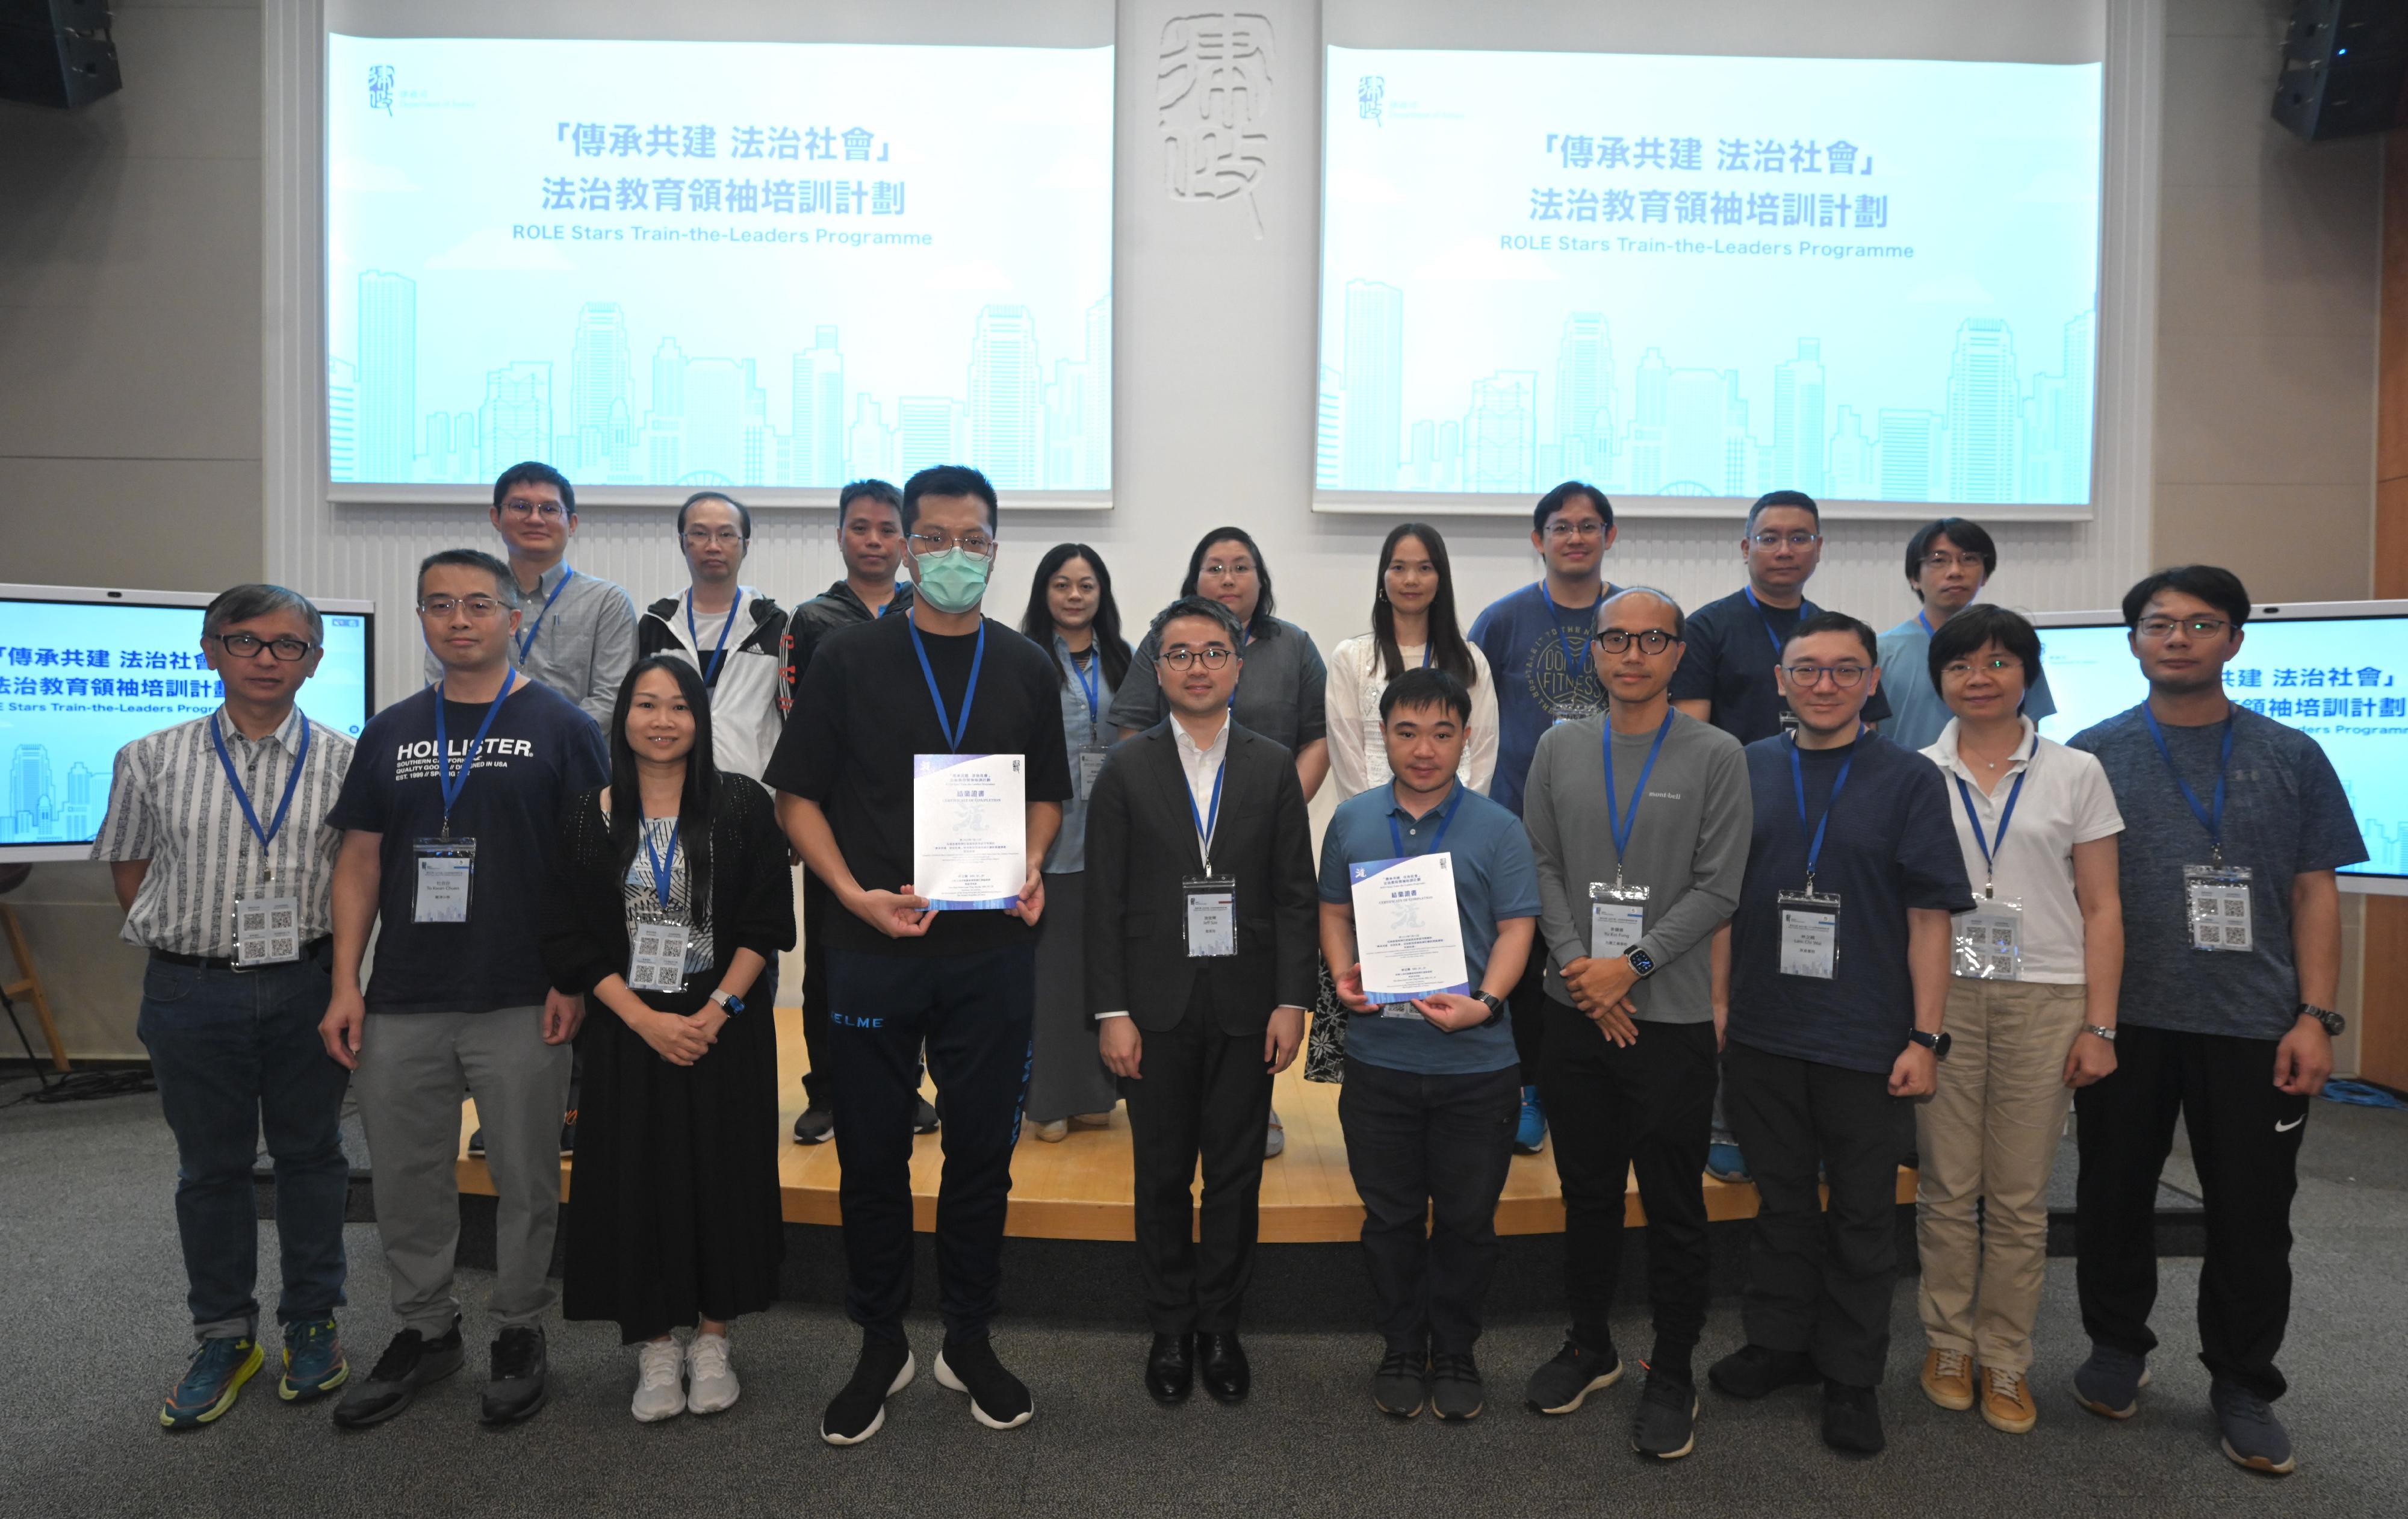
[728, 1002]
[1495, 1004]
[1936, 1043]
[1640, 961]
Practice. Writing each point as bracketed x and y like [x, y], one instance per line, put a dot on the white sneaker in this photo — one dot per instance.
[712, 1379]
[658, 1395]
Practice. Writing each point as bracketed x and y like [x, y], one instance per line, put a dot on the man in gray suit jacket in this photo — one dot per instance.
[1200, 963]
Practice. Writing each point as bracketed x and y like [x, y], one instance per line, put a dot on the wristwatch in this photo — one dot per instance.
[1640, 961]
[728, 1001]
[1495, 1004]
[2334, 1022]
[1936, 1043]
[2103, 1031]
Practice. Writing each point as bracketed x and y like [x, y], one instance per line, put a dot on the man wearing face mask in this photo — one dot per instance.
[883, 703]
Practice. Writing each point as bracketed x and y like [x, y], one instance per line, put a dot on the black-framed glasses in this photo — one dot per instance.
[479, 608]
[976, 545]
[1846, 676]
[1614, 640]
[1775, 540]
[2197, 627]
[1943, 559]
[247, 645]
[1215, 658]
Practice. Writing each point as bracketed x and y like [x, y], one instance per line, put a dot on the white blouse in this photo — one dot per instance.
[1358, 757]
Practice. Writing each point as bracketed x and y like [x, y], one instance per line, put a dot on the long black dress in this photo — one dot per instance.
[673, 1211]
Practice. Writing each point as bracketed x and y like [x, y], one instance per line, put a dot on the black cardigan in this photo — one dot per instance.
[584, 923]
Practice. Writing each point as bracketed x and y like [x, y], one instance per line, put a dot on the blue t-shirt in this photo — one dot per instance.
[2284, 812]
[1537, 654]
[1916, 713]
[1728, 658]
[541, 750]
[1495, 878]
[1890, 846]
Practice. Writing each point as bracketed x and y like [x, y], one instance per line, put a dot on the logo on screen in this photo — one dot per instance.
[1370, 91]
[381, 88]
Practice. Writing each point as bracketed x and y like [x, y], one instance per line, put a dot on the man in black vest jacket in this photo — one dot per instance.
[1200, 963]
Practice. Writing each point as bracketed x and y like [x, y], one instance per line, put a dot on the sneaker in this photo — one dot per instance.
[1456, 1391]
[1724, 1162]
[885, 1367]
[1052, 1131]
[476, 1143]
[998, 1400]
[568, 1134]
[1948, 1378]
[521, 1370]
[313, 1360]
[1274, 1137]
[2109, 1384]
[1564, 1383]
[2007, 1404]
[1401, 1385]
[2252, 1436]
[660, 1385]
[411, 1361]
[1101, 1119]
[1530, 1136]
[1852, 1419]
[710, 1378]
[211, 1383]
[1666, 1426]
[924, 1120]
[817, 1125]
[1756, 1371]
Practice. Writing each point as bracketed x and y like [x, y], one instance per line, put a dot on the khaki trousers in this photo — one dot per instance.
[1988, 1138]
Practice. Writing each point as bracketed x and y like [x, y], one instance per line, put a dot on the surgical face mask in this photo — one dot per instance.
[951, 579]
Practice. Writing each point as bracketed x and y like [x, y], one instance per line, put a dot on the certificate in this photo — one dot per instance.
[1407, 929]
[969, 830]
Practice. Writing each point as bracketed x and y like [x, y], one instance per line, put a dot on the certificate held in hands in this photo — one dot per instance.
[969, 830]
[1407, 929]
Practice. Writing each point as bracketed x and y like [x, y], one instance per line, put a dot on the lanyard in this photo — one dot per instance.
[1091, 681]
[664, 870]
[1245, 642]
[710, 671]
[1797, 779]
[1988, 862]
[1805, 610]
[1574, 669]
[1207, 824]
[266, 834]
[1446, 821]
[527, 642]
[453, 785]
[1927, 624]
[1624, 827]
[2213, 821]
[953, 732]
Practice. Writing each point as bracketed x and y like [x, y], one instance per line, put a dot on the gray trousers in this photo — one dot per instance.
[414, 1070]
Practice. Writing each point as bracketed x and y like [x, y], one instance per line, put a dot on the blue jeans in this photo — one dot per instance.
[234, 1053]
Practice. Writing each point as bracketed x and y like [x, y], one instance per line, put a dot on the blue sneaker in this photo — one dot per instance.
[313, 1360]
[2252, 1436]
[211, 1383]
[1531, 1137]
[1724, 1162]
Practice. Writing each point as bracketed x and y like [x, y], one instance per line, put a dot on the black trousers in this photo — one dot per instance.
[1429, 1154]
[972, 1011]
[1615, 1110]
[1528, 1003]
[2244, 1138]
[1819, 1279]
[1198, 1092]
[818, 902]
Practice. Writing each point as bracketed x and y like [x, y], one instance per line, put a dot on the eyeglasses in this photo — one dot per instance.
[1943, 559]
[2153, 629]
[976, 545]
[1614, 640]
[479, 608]
[1775, 540]
[247, 646]
[1215, 658]
[1586, 528]
[1231, 570]
[703, 537]
[1846, 676]
[1962, 668]
[551, 511]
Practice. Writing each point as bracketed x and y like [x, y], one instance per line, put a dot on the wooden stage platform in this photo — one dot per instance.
[1078, 1189]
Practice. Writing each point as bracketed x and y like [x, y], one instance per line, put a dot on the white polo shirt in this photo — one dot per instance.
[2065, 801]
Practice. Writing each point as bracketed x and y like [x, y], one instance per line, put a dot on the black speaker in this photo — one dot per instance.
[2343, 65]
[56, 52]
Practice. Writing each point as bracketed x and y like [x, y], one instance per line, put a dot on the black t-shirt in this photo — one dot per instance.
[540, 749]
[1728, 658]
[864, 710]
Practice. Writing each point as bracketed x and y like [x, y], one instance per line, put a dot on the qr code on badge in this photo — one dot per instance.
[253, 923]
[283, 946]
[280, 918]
[2004, 937]
[2210, 933]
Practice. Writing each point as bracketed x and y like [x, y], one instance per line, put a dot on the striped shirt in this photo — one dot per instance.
[583, 647]
[169, 803]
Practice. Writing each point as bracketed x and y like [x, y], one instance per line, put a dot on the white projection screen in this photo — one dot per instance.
[1691, 262]
[766, 259]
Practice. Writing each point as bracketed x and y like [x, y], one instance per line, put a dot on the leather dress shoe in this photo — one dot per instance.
[1170, 1368]
[1226, 1376]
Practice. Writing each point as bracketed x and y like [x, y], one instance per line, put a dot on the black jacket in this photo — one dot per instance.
[1141, 846]
[815, 619]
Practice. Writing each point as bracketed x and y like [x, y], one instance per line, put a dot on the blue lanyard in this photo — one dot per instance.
[1208, 823]
[1446, 821]
[452, 786]
[710, 671]
[663, 871]
[1092, 683]
[2212, 820]
[1927, 624]
[266, 834]
[954, 732]
[1988, 862]
[1805, 610]
[1797, 779]
[1575, 668]
[527, 642]
[1621, 826]
[1245, 642]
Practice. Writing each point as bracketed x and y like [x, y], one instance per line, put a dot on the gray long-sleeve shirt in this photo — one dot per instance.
[1688, 846]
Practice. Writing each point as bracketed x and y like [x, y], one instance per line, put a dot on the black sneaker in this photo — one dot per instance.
[1852, 1419]
[924, 1121]
[568, 1134]
[998, 1400]
[1756, 1371]
[817, 1125]
[521, 1370]
[2251, 1435]
[409, 1362]
[477, 1142]
[1401, 1385]
[885, 1367]
[1455, 1390]
[1666, 1425]
[1564, 1383]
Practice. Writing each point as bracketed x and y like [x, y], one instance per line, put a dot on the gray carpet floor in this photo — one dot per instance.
[91, 1288]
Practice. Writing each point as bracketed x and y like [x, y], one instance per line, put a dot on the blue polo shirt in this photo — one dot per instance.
[1916, 713]
[1496, 878]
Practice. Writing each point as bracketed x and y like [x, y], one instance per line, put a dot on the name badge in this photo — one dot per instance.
[1211, 919]
[1788, 721]
[1571, 714]
[1090, 765]
[267, 931]
[656, 957]
[1618, 915]
[1989, 940]
[1809, 933]
[2218, 899]
[445, 867]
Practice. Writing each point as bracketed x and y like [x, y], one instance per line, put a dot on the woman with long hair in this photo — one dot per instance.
[674, 896]
[1413, 626]
[1072, 616]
